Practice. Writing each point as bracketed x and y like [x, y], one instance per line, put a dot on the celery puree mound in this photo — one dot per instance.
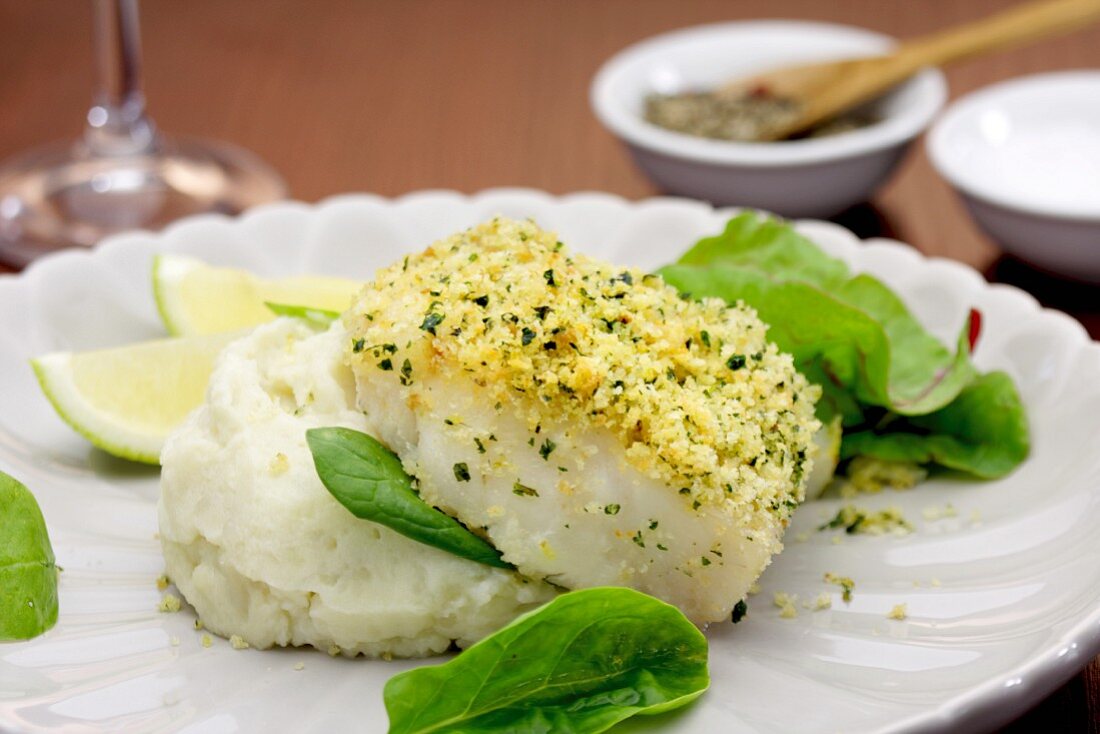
[596, 426]
[259, 547]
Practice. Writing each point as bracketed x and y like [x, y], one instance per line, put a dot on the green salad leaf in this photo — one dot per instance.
[581, 663]
[983, 431]
[368, 479]
[314, 316]
[850, 333]
[28, 573]
[855, 338]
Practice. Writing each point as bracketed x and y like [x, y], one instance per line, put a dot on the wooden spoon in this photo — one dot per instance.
[823, 90]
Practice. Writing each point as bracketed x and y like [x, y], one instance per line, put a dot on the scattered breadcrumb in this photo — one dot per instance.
[754, 589]
[163, 582]
[899, 611]
[935, 581]
[333, 650]
[845, 583]
[866, 474]
[837, 540]
[935, 512]
[169, 603]
[820, 602]
[387, 656]
[174, 641]
[198, 624]
[870, 522]
[207, 640]
[238, 643]
[299, 666]
[786, 604]
[802, 537]
[279, 465]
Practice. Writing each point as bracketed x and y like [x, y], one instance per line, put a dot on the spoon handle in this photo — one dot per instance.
[1016, 26]
[828, 89]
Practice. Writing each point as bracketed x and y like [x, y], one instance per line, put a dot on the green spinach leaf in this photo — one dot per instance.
[983, 432]
[314, 316]
[769, 246]
[28, 574]
[581, 663]
[894, 385]
[368, 479]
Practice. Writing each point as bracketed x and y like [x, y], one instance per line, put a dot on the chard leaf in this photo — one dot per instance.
[314, 316]
[894, 385]
[368, 479]
[770, 246]
[852, 334]
[581, 663]
[984, 432]
[28, 573]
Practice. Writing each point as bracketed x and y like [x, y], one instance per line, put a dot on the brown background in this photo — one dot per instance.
[340, 95]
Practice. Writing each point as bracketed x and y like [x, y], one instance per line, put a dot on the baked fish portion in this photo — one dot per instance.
[595, 426]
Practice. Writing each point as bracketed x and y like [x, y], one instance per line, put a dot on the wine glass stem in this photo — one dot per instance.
[116, 123]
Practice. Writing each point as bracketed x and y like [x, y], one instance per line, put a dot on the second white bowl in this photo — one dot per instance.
[1025, 157]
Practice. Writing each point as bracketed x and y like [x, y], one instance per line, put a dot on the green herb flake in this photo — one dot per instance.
[523, 490]
[528, 336]
[482, 301]
[358, 345]
[548, 276]
[385, 365]
[740, 609]
[736, 361]
[612, 509]
[480, 445]
[432, 320]
[546, 449]
[462, 472]
[406, 372]
[844, 582]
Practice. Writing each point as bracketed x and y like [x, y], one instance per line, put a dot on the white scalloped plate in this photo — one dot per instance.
[1016, 613]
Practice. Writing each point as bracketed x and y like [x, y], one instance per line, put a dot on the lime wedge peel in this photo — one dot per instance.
[195, 298]
[127, 400]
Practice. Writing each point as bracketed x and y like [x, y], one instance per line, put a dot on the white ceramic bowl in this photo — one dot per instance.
[1025, 157]
[803, 178]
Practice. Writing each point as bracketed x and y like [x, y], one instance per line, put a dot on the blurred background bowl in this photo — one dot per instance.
[1024, 155]
[817, 177]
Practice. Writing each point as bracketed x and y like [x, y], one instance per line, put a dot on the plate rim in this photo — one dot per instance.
[979, 708]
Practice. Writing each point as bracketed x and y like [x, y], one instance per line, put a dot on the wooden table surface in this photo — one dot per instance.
[389, 97]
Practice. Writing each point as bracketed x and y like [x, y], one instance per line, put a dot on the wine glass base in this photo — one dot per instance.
[61, 196]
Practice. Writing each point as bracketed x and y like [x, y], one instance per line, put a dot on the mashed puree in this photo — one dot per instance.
[261, 550]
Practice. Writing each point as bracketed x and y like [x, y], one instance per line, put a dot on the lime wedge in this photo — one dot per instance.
[126, 400]
[195, 298]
